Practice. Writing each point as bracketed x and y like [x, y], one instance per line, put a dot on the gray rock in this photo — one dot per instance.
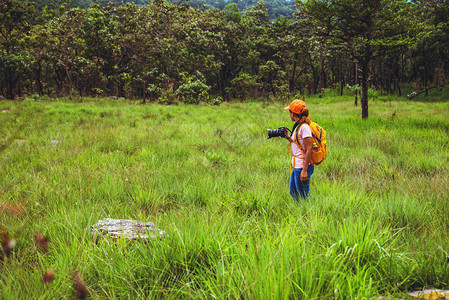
[128, 229]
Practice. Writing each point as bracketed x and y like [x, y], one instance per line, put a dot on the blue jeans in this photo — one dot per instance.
[300, 189]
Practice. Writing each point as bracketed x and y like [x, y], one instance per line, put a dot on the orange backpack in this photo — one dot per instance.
[319, 148]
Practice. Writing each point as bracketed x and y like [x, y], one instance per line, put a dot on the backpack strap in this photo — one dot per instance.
[296, 127]
[296, 137]
[297, 143]
[318, 138]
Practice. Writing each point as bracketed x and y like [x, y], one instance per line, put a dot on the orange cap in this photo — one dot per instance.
[296, 106]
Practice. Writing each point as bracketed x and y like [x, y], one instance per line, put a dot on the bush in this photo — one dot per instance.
[154, 91]
[96, 92]
[168, 97]
[372, 93]
[244, 86]
[193, 89]
[215, 101]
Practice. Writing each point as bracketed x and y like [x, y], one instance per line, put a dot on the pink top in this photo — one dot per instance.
[304, 132]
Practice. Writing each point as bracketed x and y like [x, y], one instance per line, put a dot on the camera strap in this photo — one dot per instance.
[296, 125]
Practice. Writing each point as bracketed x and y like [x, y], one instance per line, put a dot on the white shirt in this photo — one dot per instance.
[299, 156]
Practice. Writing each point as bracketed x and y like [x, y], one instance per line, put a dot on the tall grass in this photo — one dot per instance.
[376, 224]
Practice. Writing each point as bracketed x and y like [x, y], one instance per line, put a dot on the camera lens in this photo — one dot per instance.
[274, 133]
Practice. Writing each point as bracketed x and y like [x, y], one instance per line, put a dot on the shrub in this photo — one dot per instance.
[154, 91]
[168, 97]
[193, 89]
[244, 86]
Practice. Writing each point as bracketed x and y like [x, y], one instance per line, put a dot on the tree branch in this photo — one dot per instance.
[415, 94]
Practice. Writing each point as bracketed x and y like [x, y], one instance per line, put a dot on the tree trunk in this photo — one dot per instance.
[355, 83]
[321, 76]
[97, 73]
[11, 87]
[397, 82]
[58, 81]
[116, 77]
[40, 87]
[293, 77]
[364, 90]
[143, 83]
[342, 79]
[68, 76]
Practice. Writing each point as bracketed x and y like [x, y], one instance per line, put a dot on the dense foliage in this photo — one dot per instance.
[274, 8]
[161, 50]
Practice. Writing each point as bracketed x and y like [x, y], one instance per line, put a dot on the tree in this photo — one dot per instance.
[272, 78]
[16, 19]
[234, 48]
[365, 27]
[202, 42]
[39, 44]
[142, 40]
[68, 31]
[430, 66]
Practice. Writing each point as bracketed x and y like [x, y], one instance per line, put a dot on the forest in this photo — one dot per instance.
[274, 8]
[170, 52]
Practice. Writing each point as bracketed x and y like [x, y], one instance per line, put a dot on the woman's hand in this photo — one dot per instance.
[303, 175]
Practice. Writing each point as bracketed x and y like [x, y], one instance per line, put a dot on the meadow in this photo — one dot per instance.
[377, 222]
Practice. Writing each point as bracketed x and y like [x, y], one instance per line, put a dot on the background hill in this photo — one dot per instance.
[275, 8]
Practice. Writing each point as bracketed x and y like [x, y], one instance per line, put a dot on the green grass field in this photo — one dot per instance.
[377, 222]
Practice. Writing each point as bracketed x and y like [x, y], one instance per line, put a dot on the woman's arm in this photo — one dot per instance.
[308, 154]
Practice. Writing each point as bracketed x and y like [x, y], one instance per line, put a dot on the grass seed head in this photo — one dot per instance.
[79, 287]
[42, 241]
[7, 243]
[49, 276]
[14, 209]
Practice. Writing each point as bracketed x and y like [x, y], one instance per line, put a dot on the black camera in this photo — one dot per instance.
[281, 131]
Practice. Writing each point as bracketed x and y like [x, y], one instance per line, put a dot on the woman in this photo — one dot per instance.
[301, 147]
